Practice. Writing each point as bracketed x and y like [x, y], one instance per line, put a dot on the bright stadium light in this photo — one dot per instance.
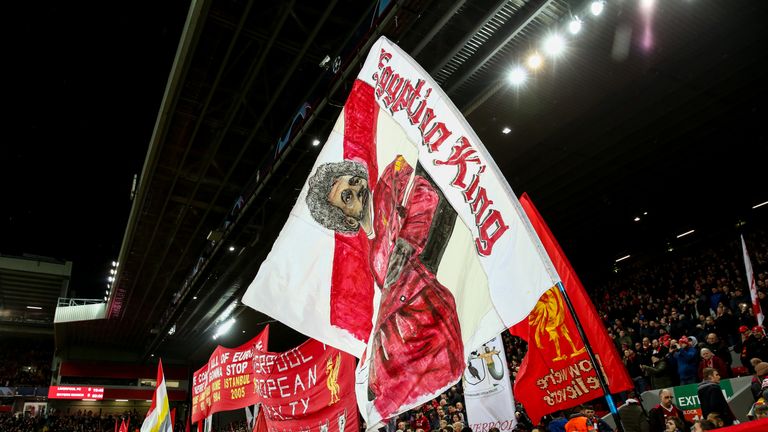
[223, 328]
[534, 61]
[554, 45]
[597, 7]
[517, 76]
[506, 130]
[623, 258]
[685, 233]
[315, 142]
[574, 27]
[759, 205]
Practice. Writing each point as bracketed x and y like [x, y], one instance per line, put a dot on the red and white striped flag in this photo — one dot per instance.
[407, 247]
[752, 285]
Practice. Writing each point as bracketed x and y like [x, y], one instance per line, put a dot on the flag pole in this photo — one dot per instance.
[593, 359]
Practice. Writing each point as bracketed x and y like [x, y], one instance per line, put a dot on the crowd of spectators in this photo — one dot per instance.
[446, 413]
[673, 319]
[669, 319]
[25, 362]
[82, 421]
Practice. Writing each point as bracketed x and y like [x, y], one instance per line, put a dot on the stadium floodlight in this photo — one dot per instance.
[574, 27]
[517, 77]
[623, 258]
[223, 328]
[597, 7]
[534, 61]
[554, 45]
[685, 233]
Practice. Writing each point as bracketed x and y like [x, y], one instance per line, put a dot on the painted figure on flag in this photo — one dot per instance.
[416, 338]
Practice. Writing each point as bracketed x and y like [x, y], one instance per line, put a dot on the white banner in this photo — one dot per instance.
[487, 389]
[406, 247]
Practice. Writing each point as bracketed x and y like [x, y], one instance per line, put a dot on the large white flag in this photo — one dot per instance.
[488, 390]
[406, 245]
[752, 285]
[158, 417]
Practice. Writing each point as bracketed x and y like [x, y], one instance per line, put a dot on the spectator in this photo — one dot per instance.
[702, 425]
[624, 339]
[711, 397]
[719, 348]
[741, 348]
[709, 360]
[578, 422]
[726, 323]
[673, 424]
[557, 424]
[761, 411]
[761, 373]
[420, 421]
[715, 299]
[757, 344]
[632, 363]
[715, 419]
[657, 416]
[687, 361]
[633, 415]
[659, 372]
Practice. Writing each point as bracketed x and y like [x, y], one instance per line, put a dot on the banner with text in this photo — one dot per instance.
[406, 246]
[557, 373]
[309, 388]
[487, 389]
[225, 382]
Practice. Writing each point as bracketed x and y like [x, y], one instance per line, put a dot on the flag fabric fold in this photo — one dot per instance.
[557, 373]
[752, 285]
[406, 247]
[158, 417]
[260, 422]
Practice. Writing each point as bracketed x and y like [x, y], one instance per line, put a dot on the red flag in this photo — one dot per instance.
[173, 418]
[116, 425]
[189, 421]
[123, 426]
[313, 390]
[556, 373]
[260, 424]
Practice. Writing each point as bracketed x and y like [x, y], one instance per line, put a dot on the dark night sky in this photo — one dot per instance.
[86, 82]
[83, 88]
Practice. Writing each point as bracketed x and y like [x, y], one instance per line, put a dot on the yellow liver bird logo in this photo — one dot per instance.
[332, 382]
[548, 319]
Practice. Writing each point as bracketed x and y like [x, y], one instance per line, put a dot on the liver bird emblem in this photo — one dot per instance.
[332, 382]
